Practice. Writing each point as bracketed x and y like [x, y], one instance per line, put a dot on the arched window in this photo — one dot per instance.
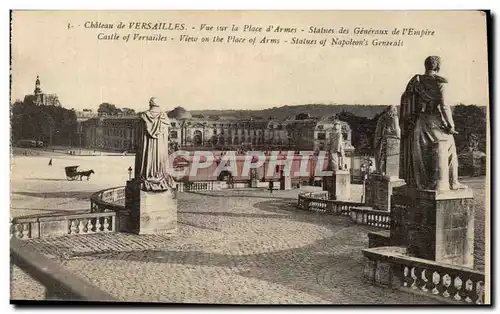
[197, 137]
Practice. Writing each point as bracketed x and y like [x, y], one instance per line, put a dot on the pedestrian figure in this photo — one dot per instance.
[50, 162]
[271, 186]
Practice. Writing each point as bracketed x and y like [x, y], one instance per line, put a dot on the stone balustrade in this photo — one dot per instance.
[60, 225]
[391, 267]
[368, 216]
[359, 213]
[199, 186]
[106, 200]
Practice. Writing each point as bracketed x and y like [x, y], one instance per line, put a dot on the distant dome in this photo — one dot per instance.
[179, 113]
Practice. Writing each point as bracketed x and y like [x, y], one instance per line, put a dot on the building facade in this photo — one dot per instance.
[225, 133]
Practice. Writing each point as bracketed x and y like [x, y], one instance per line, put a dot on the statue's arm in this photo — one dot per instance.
[446, 110]
[407, 114]
[396, 127]
[378, 133]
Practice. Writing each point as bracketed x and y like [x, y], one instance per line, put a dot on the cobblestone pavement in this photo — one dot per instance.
[235, 246]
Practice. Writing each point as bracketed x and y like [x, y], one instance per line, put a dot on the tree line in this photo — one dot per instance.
[51, 124]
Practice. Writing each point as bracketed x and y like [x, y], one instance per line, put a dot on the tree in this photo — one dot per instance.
[128, 112]
[44, 123]
[470, 121]
[302, 116]
[108, 109]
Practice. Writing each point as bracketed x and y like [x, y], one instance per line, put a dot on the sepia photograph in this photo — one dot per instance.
[250, 157]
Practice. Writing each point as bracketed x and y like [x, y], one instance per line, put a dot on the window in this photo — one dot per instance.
[322, 136]
[173, 134]
[172, 124]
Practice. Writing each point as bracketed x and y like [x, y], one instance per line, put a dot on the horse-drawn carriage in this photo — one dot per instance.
[73, 174]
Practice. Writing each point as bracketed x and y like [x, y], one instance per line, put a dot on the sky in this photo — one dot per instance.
[84, 71]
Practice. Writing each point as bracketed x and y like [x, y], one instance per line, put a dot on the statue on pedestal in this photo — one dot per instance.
[336, 153]
[428, 152]
[387, 138]
[151, 158]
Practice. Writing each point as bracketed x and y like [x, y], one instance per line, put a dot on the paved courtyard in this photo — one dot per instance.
[234, 246]
[241, 246]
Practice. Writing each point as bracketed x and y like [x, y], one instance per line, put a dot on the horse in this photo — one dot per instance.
[85, 174]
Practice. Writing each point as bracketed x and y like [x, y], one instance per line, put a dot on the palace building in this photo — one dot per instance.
[224, 133]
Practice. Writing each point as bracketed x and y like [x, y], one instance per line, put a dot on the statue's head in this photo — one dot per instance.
[392, 111]
[433, 63]
[152, 103]
[337, 127]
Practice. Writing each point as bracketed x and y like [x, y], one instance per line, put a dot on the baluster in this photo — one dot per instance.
[414, 277]
[457, 283]
[73, 227]
[26, 230]
[468, 288]
[98, 225]
[79, 227]
[19, 231]
[446, 283]
[405, 273]
[84, 224]
[479, 292]
[435, 280]
[90, 225]
[425, 280]
[106, 224]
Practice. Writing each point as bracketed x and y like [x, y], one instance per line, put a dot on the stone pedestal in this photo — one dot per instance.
[338, 185]
[254, 183]
[378, 190]
[392, 158]
[285, 183]
[434, 225]
[151, 212]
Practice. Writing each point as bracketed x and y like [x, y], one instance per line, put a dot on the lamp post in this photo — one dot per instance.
[363, 173]
[130, 173]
